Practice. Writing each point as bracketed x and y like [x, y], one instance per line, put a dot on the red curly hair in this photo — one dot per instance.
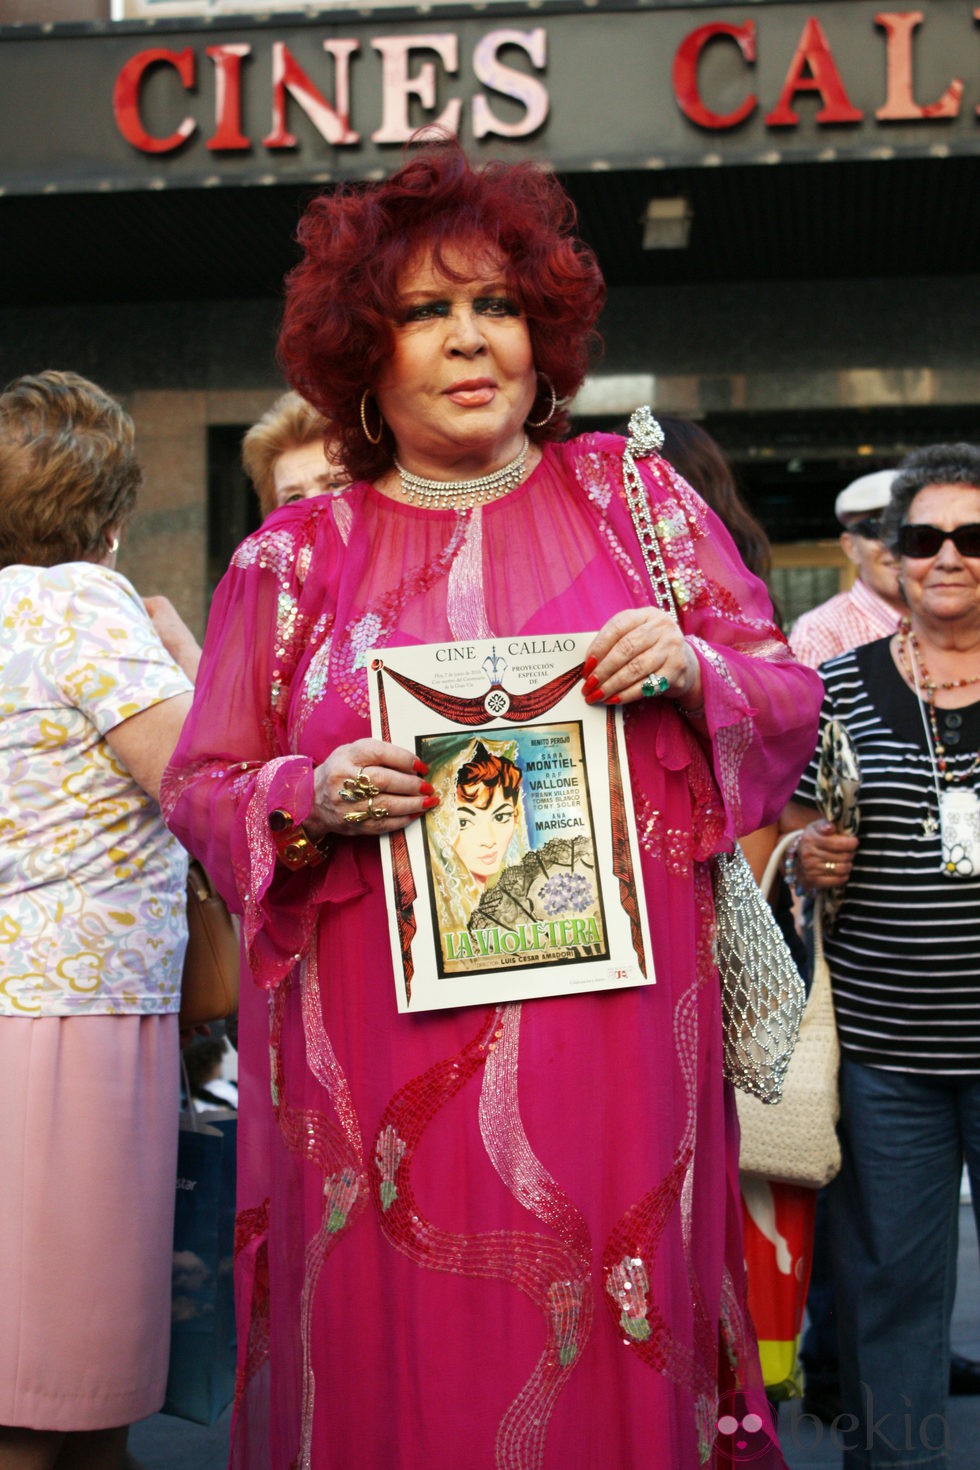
[488, 771]
[342, 298]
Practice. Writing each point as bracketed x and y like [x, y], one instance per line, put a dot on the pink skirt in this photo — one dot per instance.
[88, 1161]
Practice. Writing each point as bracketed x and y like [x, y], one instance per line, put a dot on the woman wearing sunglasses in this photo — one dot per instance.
[905, 961]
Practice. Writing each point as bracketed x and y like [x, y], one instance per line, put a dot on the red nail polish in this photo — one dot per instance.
[594, 696]
[419, 767]
[588, 666]
[591, 684]
[426, 789]
[429, 802]
[614, 699]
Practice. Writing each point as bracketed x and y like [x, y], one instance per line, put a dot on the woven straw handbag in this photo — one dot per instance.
[795, 1140]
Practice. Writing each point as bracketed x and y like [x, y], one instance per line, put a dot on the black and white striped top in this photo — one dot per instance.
[905, 952]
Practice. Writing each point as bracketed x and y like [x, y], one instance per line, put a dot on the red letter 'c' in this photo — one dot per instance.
[685, 74]
[126, 99]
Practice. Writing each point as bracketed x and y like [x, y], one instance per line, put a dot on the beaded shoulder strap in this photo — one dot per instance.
[646, 437]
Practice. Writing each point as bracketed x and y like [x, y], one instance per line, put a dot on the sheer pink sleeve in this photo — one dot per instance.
[232, 766]
[761, 705]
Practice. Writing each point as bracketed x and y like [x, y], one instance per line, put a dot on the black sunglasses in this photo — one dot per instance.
[914, 540]
[869, 528]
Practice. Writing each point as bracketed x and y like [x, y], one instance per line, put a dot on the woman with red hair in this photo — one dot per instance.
[504, 1237]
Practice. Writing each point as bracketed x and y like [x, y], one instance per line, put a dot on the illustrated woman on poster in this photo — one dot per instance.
[479, 827]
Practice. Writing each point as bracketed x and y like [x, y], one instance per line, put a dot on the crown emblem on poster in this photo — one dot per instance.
[494, 666]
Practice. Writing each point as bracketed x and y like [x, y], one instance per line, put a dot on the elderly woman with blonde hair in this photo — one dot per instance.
[290, 455]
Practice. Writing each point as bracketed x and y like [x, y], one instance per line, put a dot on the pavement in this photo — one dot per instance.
[164, 1443]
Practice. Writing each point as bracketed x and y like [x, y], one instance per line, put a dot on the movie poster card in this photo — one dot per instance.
[525, 879]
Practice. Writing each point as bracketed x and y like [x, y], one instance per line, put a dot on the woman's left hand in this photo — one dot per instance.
[174, 634]
[642, 645]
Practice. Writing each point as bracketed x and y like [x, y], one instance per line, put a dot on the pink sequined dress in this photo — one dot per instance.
[504, 1238]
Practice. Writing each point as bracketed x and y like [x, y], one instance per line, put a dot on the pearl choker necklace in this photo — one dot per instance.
[463, 494]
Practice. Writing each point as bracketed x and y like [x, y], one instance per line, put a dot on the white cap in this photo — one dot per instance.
[867, 493]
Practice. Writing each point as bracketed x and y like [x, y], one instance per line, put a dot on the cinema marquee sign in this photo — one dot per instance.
[813, 70]
[581, 86]
[413, 67]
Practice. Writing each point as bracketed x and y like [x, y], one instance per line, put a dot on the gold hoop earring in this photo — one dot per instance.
[367, 434]
[540, 423]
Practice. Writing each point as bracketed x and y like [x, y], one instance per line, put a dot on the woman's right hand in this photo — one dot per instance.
[824, 856]
[342, 803]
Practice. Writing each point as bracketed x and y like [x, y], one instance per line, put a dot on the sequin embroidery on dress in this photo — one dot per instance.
[679, 519]
[252, 1255]
[678, 847]
[731, 742]
[465, 607]
[553, 1270]
[286, 553]
[554, 1273]
[376, 624]
[630, 1256]
[332, 1144]
[596, 473]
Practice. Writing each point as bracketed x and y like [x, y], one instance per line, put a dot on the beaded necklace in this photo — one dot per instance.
[463, 494]
[907, 639]
[907, 642]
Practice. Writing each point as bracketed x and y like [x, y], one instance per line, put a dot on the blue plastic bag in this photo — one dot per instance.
[201, 1380]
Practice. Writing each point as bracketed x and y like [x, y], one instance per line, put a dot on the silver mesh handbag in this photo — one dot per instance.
[762, 996]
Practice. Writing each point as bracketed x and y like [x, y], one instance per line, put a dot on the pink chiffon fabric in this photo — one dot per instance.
[504, 1237]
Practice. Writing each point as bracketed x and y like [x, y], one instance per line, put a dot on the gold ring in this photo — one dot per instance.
[358, 788]
[830, 867]
[373, 813]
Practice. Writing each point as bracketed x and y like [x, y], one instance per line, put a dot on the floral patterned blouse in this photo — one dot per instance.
[92, 885]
